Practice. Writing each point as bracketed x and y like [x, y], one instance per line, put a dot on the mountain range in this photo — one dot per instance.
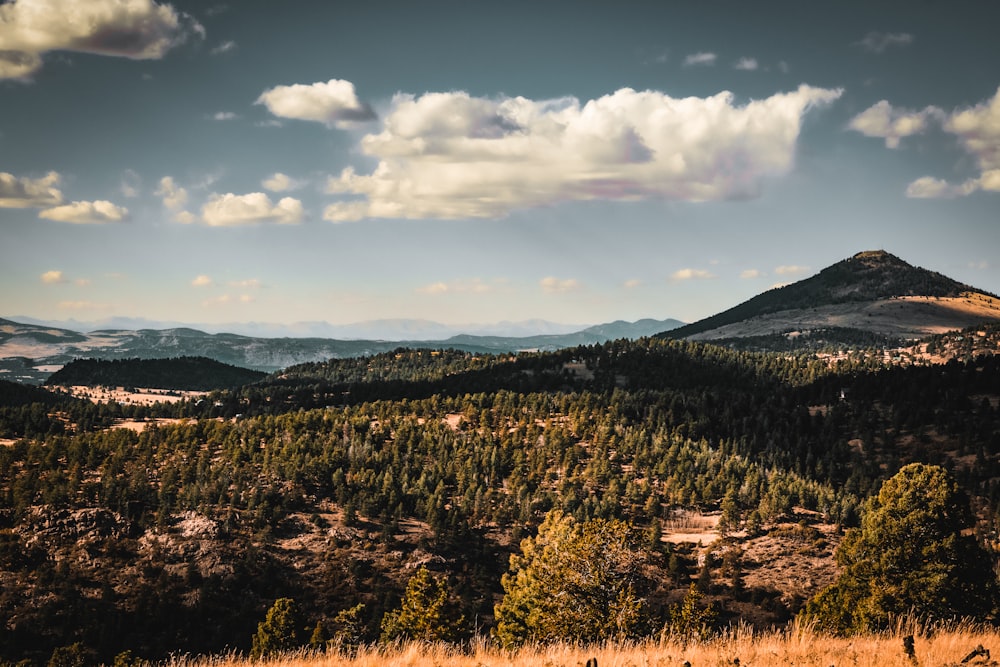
[872, 298]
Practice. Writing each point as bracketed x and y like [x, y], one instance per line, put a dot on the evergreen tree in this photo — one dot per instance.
[573, 582]
[278, 631]
[912, 554]
[427, 612]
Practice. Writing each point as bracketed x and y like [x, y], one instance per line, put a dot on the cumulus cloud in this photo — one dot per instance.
[553, 285]
[52, 277]
[977, 129]
[452, 155]
[201, 281]
[701, 58]
[877, 42]
[174, 197]
[86, 213]
[230, 210]
[334, 103]
[632, 283]
[29, 192]
[746, 64]
[691, 274]
[136, 29]
[749, 274]
[224, 115]
[883, 121]
[279, 182]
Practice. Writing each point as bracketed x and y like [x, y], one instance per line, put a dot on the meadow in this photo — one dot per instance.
[940, 647]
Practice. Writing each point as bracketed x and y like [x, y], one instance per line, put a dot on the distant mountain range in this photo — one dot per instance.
[30, 352]
[384, 329]
[871, 299]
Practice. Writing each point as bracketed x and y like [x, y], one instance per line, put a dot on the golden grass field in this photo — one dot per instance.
[801, 648]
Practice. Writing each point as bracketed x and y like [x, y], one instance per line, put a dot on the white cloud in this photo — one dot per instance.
[174, 197]
[978, 131]
[472, 286]
[231, 210]
[81, 305]
[86, 213]
[790, 270]
[883, 121]
[249, 283]
[29, 192]
[749, 274]
[334, 103]
[201, 281]
[52, 277]
[184, 217]
[131, 183]
[82, 282]
[877, 42]
[701, 58]
[279, 182]
[224, 115]
[553, 285]
[746, 64]
[691, 274]
[451, 155]
[224, 47]
[632, 283]
[136, 29]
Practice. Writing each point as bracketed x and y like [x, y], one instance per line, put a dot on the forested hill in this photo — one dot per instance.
[866, 277]
[334, 484]
[181, 373]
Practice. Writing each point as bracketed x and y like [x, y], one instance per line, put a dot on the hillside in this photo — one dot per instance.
[872, 292]
[30, 353]
[333, 483]
[182, 373]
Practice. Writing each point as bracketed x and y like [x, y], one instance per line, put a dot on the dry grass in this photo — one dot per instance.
[799, 647]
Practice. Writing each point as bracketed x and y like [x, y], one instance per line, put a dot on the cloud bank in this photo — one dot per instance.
[453, 155]
[137, 29]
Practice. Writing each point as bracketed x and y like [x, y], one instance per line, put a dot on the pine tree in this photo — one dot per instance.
[427, 611]
[278, 631]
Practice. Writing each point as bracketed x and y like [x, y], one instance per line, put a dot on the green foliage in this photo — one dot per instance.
[74, 655]
[912, 554]
[279, 631]
[572, 582]
[427, 612]
[690, 620]
[349, 627]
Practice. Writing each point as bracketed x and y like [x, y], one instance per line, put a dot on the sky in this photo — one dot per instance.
[477, 162]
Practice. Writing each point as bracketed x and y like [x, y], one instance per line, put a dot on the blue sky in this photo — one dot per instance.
[473, 162]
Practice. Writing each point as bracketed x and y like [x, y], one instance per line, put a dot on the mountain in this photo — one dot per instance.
[30, 353]
[384, 329]
[873, 292]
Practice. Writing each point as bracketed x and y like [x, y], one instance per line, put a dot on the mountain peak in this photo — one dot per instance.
[851, 285]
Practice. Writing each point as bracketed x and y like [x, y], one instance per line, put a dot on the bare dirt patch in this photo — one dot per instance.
[137, 396]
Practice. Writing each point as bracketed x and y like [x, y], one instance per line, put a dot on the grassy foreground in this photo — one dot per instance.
[801, 648]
